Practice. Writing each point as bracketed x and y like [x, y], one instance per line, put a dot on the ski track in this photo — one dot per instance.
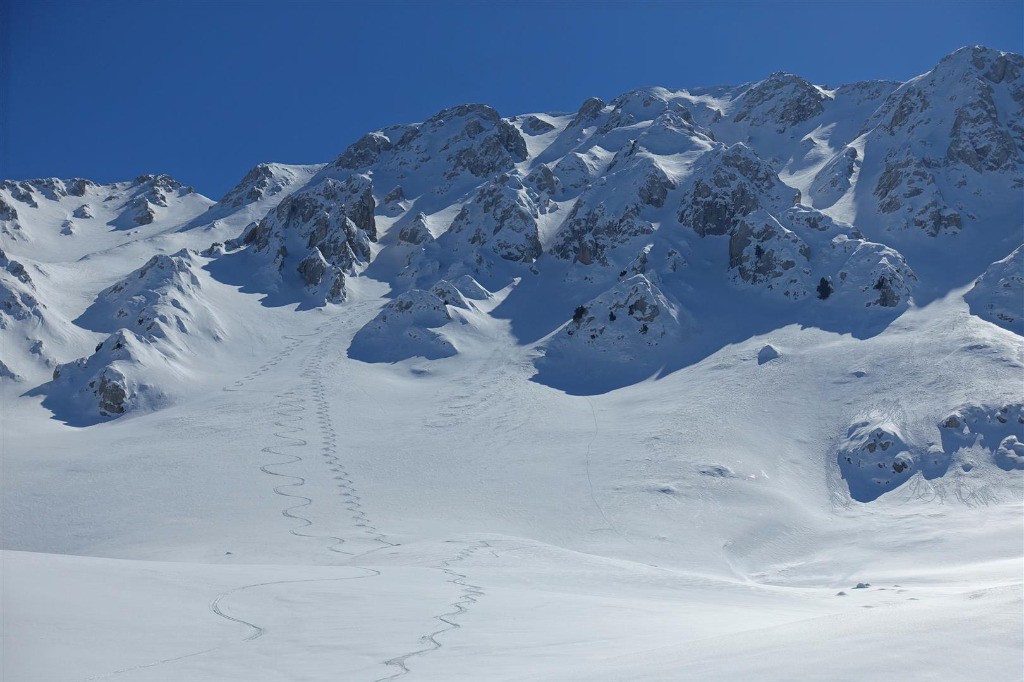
[289, 408]
[314, 373]
[470, 594]
[256, 631]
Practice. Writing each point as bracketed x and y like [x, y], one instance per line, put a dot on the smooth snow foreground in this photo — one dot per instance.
[711, 384]
[324, 519]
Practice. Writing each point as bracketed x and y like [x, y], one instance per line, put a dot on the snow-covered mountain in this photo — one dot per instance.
[706, 336]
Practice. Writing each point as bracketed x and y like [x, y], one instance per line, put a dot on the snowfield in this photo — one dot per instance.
[709, 384]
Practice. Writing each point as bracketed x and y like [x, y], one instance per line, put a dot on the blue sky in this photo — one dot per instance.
[204, 91]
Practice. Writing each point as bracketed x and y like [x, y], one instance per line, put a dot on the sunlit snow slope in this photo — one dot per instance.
[700, 384]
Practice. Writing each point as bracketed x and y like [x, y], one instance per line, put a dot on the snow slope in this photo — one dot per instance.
[695, 384]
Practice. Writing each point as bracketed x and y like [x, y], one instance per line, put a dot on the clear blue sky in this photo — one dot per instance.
[204, 91]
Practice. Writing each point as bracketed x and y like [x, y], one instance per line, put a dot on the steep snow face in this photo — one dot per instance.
[998, 295]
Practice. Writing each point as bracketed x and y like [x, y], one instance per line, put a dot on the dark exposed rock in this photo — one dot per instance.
[776, 251]
[364, 152]
[395, 195]
[997, 295]
[503, 217]
[588, 111]
[782, 100]
[729, 184]
[536, 126]
[7, 212]
[314, 224]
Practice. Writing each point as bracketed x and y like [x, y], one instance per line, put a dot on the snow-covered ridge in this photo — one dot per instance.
[690, 195]
[657, 388]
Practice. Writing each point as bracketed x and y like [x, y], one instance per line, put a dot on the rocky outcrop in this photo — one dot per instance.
[263, 181]
[622, 325]
[781, 101]
[501, 218]
[588, 112]
[768, 353]
[601, 221]
[161, 300]
[765, 253]
[313, 235]
[534, 125]
[416, 232]
[108, 383]
[945, 145]
[17, 293]
[835, 178]
[875, 459]
[999, 429]
[998, 294]
[805, 254]
[728, 183]
[469, 138]
[407, 327]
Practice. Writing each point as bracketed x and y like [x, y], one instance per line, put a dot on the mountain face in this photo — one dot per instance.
[632, 234]
[712, 383]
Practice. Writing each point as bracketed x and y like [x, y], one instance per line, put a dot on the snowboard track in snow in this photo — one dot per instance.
[470, 594]
[255, 631]
[288, 407]
[289, 410]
